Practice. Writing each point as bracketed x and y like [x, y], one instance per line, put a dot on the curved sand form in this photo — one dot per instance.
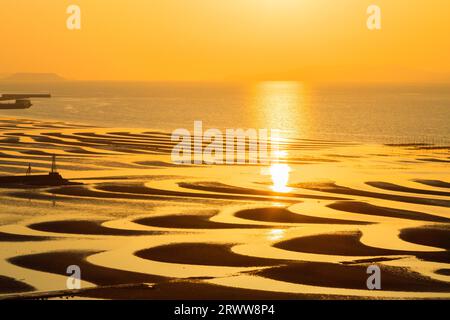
[81, 191]
[353, 277]
[9, 285]
[81, 151]
[9, 237]
[159, 164]
[348, 244]
[444, 272]
[86, 227]
[127, 155]
[33, 195]
[440, 257]
[198, 290]
[57, 262]
[224, 188]
[433, 236]
[433, 160]
[24, 164]
[45, 154]
[339, 244]
[284, 215]
[137, 190]
[206, 254]
[396, 187]
[434, 183]
[105, 143]
[334, 188]
[191, 222]
[60, 142]
[370, 209]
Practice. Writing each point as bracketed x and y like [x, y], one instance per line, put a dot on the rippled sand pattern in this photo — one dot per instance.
[142, 227]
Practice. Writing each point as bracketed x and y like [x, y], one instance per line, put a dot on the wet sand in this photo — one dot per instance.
[334, 188]
[197, 290]
[434, 183]
[8, 285]
[433, 236]
[8, 237]
[86, 227]
[353, 277]
[340, 244]
[203, 254]
[445, 272]
[283, 215]
[57, 262]
[395, 187]
[152, 229]
[191, 222]
[369, 209]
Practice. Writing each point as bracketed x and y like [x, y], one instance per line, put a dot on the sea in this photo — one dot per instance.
[386, 114]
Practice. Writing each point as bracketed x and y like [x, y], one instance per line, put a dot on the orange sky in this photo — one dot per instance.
[307, 40]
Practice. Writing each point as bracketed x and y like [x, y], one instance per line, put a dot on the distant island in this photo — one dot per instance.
[33, 77]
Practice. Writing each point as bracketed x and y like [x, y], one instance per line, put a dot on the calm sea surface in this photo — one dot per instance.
[381, 114]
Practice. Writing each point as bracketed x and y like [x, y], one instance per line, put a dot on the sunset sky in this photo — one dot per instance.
[306, 40]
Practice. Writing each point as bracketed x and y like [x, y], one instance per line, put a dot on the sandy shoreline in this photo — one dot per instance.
[141, 227]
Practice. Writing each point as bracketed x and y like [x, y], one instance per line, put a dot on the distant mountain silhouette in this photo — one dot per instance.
[34, 77]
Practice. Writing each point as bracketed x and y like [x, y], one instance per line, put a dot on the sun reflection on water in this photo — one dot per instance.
[275, 234]
[280, 105]
[280, 177]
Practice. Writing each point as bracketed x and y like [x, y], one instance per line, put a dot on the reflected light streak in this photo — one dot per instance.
[280, 177]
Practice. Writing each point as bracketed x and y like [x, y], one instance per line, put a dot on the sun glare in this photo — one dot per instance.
[275, 234]
[280, 177]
